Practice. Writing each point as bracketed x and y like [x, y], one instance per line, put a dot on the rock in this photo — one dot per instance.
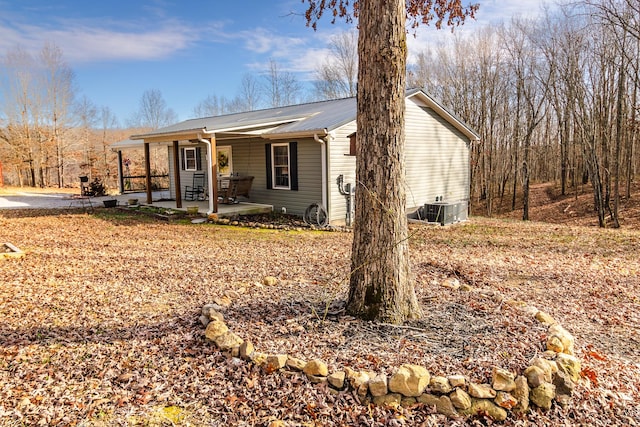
[215, 328]
[521, 394]
[295, 364]
[481, 391]
[554, 344]
[270, 281]
[223, 301]
[518, 304]
[246, 350]
[392, 400]
[409, 380]
[362, 391]
[457, 380]
[549, 367]
[505, 400]
[545, 318]
[208, 308]
[259, 358]
[356, 378]
[275, 362]
[563, 400]
[564, 384]
[530, 310]
[535, 376]
[451, 283]
[440, 385]
[570, 365]
[317, 379]
[229, 342]
[486, 407]
[543, 395]
[460, 399]
[316, 367]
[502, 380]
[442, 404]
[407, 402]
[378, 385]
[336, 380]
[565, 337]
[204, 320]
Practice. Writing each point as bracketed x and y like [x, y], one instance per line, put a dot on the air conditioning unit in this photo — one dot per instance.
[445, 212]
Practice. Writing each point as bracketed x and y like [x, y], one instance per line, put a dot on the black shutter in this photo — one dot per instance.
[293, 165]
[182, 160]
[199, 158]
[267, 155]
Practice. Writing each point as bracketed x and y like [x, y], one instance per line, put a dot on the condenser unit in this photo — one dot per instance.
[445, 212]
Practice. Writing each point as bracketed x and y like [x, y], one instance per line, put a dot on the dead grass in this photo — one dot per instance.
[100, 318]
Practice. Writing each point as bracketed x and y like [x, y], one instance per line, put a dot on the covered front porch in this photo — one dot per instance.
[160, 200]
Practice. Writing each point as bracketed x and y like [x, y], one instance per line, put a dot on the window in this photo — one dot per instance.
[190, 159]
[280, 155]
[282, 166]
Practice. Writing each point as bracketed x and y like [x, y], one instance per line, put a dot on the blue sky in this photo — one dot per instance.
[188, 49]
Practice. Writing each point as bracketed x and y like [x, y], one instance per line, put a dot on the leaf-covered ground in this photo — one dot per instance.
[99, 321]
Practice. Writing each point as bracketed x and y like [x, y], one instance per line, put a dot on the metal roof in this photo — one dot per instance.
[310, 118]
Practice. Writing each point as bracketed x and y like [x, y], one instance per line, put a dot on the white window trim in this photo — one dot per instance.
[273, 166]
[186, 159]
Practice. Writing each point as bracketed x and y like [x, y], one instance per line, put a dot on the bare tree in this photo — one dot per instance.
[337, 76]
[280, 87]
[381, 286]
[249, 96]
[87, 115]
[153, 111]
[212, 105]
[108, 121]
[21, 107]
[59, 97]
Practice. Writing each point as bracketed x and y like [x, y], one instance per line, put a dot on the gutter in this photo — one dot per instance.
[323, 160]
[210, 169]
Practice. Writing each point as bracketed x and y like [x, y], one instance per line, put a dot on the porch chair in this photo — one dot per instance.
[195, 191]
[237, 186]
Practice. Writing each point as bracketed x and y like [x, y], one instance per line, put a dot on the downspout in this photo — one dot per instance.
[210, 168]
[323, 162]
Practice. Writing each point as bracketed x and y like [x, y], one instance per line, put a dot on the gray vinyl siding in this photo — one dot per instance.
[248, 158]
[309, 180]
[340, 163]
[436, 158]
[436, 161]
[186, 177]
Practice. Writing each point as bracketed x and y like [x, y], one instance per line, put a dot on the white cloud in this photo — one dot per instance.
[81, 43]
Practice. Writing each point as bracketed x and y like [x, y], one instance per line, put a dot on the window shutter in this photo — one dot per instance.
[352, 144]
[199, 158]
[293, 165]
[267, 155]
[182, 160]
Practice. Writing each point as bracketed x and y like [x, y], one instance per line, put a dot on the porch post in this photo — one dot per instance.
[214, 173]
[147, 169]
[120, 173]
[176, 174]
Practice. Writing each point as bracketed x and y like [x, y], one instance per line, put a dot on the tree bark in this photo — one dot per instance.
[381, 286]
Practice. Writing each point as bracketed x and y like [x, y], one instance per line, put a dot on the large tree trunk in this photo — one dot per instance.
[381, 286]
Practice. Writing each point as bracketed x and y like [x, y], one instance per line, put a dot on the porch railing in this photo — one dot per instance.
[138, 183]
